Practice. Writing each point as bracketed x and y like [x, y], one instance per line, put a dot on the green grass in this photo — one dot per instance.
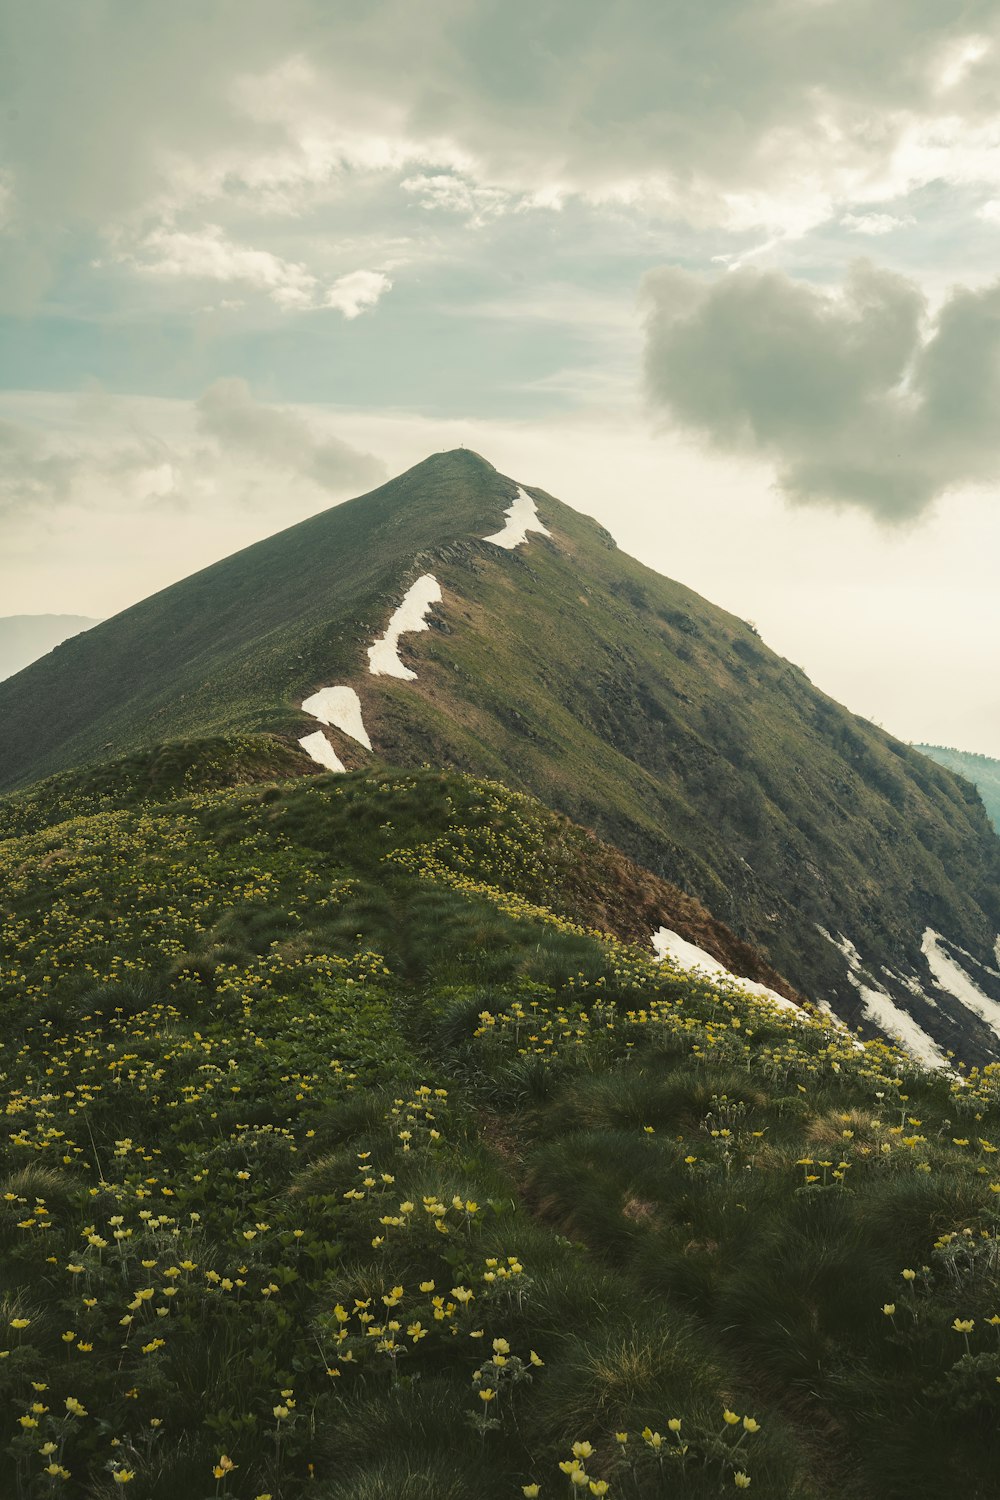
[273, 1052]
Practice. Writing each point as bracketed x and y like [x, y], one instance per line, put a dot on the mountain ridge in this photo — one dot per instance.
[569, 670]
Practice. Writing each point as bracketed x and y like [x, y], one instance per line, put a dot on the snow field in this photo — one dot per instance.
[882, 1010]
[410, 617]
[340, 707]
[318, 746]
[953, 979]
[522, 517]
[684, 955]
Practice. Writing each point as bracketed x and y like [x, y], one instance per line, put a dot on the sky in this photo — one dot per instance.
[726, 277]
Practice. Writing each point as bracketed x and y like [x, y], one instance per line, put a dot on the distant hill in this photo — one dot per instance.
[981, 770]
[554, 663]
[24, 638]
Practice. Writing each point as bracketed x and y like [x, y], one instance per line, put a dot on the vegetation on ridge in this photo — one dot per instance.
[338, 1164]
[568, 670]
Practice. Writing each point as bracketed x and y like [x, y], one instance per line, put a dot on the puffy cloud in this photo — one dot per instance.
[857, 397]
[356, 292]
[207, 254]
[244, 427]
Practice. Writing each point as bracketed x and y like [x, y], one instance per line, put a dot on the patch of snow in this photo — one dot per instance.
[901, 1026]
[522, 517]
[956, 948]
[411, 616]
[882, 1011]
[685, 955]
[318, 746]
[953, 979]
[340, 707]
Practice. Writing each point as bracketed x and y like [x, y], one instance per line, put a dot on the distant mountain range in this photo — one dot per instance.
[24, 638]
[455, 618]
[981, 770]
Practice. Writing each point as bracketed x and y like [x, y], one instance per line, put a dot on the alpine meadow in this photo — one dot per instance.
[499, 750]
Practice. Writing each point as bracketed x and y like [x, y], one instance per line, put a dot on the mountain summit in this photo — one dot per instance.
[459, 618]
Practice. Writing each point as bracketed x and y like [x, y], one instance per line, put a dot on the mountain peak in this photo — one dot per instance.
[448, 478]
[431, 621]
[447, 457]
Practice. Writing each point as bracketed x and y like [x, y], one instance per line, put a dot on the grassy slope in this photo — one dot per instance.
[600, 887]
[981, 770]
[567, 669]
[280, 1057]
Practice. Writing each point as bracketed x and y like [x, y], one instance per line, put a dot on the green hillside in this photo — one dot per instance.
[344, 1161]
[983, 772]
[571, 671]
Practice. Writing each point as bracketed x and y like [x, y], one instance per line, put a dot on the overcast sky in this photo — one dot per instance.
[726, 276]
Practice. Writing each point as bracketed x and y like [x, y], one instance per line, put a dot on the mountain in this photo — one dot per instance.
[24, 638]
[983, 772]
[346, 1161]
[867, 875]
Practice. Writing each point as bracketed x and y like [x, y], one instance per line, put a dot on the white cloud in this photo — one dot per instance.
[356, 292]
[873, 224]
[959, 58]
[208, 254]
[456, 195]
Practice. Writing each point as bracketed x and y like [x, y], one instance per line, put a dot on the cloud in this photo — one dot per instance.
[32, 473]
[181, 127]
[42, 471]
[856, 396]
[218, 455]
[874, 224]
[356, 292]
[244, 427]
[451, 193]
[207, 254]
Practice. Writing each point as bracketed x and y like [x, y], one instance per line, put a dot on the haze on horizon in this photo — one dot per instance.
[724, 277]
